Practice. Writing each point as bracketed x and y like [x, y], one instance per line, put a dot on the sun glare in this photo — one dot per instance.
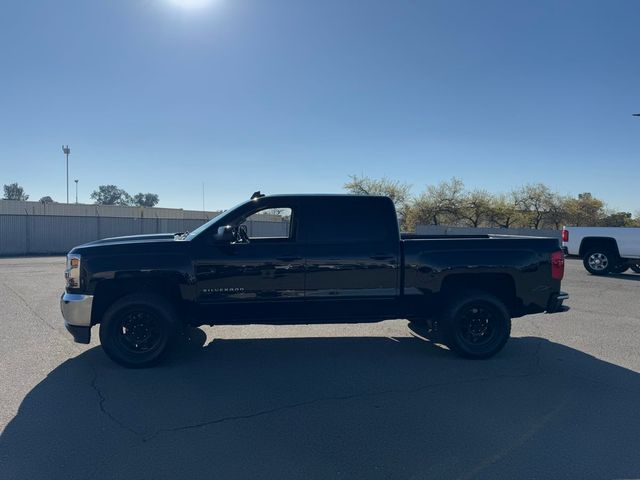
[191, 4]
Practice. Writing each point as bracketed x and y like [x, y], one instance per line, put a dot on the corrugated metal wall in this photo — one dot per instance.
[18, 207]
[57, 234]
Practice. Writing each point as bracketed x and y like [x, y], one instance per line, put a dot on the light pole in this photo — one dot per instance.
[66, 150]
[76, 180]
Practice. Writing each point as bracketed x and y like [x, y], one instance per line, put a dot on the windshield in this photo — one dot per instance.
[219, 219]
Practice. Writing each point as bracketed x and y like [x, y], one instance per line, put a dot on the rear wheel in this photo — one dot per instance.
[137, 330]
[599, 262]
[636, 267]
[476, 325]
[620, 268]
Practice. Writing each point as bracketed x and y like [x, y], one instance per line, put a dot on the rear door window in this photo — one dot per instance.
[350, 220]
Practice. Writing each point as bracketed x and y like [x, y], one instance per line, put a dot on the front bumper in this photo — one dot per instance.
[555, 302]
[76, 310]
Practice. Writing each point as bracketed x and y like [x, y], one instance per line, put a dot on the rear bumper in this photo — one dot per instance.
[76, 311]
[556, 301]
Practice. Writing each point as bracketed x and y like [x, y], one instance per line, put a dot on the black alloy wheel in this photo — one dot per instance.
[138, 329]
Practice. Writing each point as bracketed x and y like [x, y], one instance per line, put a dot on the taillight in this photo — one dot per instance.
[557, 265]
[565, 235]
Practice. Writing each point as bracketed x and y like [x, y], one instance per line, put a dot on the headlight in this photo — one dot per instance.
[72, 272]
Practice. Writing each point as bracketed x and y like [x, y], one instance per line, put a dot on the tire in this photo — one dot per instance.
[476, 325]
[620, 269]
[137, 330]
[636, 267]
[599, 262]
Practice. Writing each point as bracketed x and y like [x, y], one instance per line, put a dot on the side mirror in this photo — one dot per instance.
[225, 234]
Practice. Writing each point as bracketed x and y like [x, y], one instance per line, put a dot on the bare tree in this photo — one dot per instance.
[535, 201]
[438, 204]
[531, 206]
[504, 211]
[476, 208]
[557, 212]
[398, 192]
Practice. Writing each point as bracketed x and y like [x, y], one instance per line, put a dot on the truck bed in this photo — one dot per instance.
[519, 263]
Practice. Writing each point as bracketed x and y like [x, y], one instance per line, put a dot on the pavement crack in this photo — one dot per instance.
[28, 306]
[101, 404]
[334, 398]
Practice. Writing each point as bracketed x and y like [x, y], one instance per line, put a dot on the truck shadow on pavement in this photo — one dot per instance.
[328, 408]
[626, 276]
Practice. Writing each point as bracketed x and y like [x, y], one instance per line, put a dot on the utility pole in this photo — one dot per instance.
[76, 180]
[66, 150]
[204, 216]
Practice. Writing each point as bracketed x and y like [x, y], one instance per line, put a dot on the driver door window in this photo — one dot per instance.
[270, 223]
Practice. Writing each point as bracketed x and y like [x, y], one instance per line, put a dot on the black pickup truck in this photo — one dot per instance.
[319, 259]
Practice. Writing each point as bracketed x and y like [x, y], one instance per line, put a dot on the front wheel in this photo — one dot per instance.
[476, 325]
[636, 267]
[137, 330]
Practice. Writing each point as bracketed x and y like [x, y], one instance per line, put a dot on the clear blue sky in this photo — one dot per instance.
[294, 95]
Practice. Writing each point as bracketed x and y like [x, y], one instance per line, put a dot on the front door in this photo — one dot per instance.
[260, 278]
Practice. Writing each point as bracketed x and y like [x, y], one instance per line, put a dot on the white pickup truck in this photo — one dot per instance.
[604, 250]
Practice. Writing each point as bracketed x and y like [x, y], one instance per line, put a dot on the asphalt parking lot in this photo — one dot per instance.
[325, 401]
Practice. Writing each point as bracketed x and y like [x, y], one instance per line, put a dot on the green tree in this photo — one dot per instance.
[13, 191]
[46, 199]
[585, 210]
[618, 219]
[111, 195]
[146, 199]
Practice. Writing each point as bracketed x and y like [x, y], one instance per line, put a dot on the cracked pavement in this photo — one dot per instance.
[323, 401]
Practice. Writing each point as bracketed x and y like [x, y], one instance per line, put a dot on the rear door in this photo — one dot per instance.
[352, 256]
[628, 242]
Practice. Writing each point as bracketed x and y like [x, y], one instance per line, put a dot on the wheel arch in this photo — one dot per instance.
[109, 291]
[606, 243]
[500, 285]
